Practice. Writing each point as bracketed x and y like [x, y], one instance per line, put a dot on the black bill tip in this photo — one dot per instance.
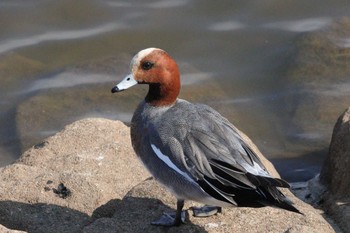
[115, 89]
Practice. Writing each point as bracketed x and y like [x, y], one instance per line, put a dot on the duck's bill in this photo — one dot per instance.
[127, 82]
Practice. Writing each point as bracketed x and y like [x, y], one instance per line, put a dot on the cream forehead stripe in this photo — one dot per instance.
[135, 62]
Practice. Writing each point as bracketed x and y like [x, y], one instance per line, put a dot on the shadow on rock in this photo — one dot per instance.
[41, 217]
[129, 215]
[134, 214]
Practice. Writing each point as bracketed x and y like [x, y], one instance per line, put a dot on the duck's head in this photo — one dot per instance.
[156, 68]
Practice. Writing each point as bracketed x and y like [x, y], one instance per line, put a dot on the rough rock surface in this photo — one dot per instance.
[92, 158]
[335, 173]
[110, 192]
[6, 230]
[148, 200]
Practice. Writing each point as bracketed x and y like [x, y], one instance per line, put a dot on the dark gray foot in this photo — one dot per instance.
[172, 219]
[205, 211]
[169, 219]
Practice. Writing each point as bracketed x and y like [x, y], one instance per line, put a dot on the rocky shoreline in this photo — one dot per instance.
[87, 178]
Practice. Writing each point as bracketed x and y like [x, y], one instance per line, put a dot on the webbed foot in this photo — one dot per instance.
[206, 211]
[170, 219]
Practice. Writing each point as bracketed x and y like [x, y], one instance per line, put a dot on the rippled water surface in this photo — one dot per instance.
[59, 60]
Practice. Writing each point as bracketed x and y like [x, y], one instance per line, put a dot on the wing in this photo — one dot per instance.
[237, 170]
[211, 151]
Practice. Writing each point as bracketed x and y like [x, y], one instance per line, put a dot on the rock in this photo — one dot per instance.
[148, 200]
[337, 164]
[6, 230]
[311, 191]
[107, 190]
[330, 190]
[92, 158]
[335, 173]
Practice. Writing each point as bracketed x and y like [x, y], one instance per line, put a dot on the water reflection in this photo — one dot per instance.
[68, 79]
[303, 25]
[226, 26]
[190, 79]
[335, 90]
[343, 43]
[57, 35]
[309, 136]
[154, 4]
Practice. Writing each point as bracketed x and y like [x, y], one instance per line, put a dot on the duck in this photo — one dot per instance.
[191, 149]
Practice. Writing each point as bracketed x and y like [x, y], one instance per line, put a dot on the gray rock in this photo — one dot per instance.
[337, 164]
[335, 173]
[311, 191]
[109, 191]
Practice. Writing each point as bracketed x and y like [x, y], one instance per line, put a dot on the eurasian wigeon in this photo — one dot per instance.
[190, 148]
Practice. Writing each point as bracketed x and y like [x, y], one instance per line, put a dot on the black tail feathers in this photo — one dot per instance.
[274, 197]
[287, 205]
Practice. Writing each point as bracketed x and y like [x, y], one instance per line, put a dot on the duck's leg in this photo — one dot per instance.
[179, 216]
[172, 219]
[206, 211]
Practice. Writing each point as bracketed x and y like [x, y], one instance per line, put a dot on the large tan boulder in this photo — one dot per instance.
[109, 190]
[92, 158]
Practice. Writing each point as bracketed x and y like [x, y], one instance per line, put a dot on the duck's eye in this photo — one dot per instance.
[147, 65]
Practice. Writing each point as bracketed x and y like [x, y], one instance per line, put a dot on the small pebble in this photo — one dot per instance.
[62, 191]
[212, 225]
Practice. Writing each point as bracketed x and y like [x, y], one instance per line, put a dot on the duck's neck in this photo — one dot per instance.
[161, 94]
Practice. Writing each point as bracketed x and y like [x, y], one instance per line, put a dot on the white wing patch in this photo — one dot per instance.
[256, 170]
[170, 164]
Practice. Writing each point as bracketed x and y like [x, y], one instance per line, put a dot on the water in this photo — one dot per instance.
[59, 60]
